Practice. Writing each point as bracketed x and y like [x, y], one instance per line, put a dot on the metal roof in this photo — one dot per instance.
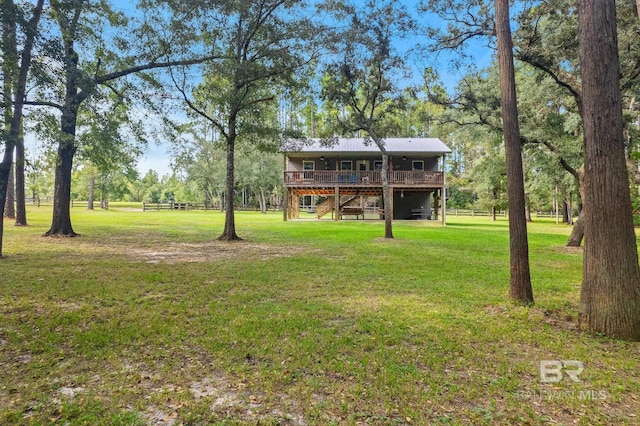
[360, 145]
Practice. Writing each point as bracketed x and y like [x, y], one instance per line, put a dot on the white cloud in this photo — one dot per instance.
[157, 158]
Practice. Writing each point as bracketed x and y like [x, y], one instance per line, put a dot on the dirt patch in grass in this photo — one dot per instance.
[496, 311]
[210, 251]
[226, 400]
[556, 318]
[562, 319]
[568, 250]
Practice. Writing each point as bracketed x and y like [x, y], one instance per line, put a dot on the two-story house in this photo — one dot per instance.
[348, 170]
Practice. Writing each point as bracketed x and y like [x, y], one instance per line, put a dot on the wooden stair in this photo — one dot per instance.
[328, 205]
[325, 207]
[347, 200]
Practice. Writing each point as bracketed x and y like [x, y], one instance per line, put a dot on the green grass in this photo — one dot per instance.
[145, 319]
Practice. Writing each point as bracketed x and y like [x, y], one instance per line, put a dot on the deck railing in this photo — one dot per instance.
[361, 178]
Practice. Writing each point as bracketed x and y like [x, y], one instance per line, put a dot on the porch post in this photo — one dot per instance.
[295, 206]
[285, 204]
[444, 190]
[336, 204]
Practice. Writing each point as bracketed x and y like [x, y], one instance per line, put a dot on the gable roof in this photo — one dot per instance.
[358, 145]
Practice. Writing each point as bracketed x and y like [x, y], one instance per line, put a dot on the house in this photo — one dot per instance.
[349, 170]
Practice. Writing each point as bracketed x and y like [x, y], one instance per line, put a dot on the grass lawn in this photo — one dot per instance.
[145, 319]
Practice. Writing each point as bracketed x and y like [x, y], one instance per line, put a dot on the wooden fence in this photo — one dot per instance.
[477, 212]
[97, 204]
[473, 212]
[175, 206]
[200, 206]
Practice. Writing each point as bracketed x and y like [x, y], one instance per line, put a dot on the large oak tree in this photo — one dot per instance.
[610, 294]
[92, 49]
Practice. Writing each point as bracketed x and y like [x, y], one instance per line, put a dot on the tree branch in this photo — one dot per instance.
[152, 65]
[553, 149]
[572, 86]
[44, 104]
[195, 108]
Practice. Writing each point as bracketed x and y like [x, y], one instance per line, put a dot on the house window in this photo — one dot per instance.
[346, 165]
[377, 165]
[308, 166]
[417, 165]
[362, 165]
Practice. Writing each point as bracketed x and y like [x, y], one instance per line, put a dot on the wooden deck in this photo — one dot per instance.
[332, 178]
[350, 183]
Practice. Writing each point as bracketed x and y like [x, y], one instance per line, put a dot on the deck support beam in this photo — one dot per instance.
[295, 206]
[444, 189]
[336, 205]
[285, 204]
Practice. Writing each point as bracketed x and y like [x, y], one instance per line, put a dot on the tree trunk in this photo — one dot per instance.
[229, 232]
[61, 221]
[520, 280]
[9, 204]
[9, 61]
[577, 233]
[92, 192]
[527, 211]
[5, 168]
[565, 211]
[493, 213]
[104, 203]
[610, 294]
[263, 201]
[21, 203]
[386, 195]
[4, 182]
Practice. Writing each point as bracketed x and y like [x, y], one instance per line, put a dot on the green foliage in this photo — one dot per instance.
[260, 50]
[361, 86]
[549, 127]
[109, 137]
[461, 194]
[204, 167]
[490, 178]
[39, 175]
